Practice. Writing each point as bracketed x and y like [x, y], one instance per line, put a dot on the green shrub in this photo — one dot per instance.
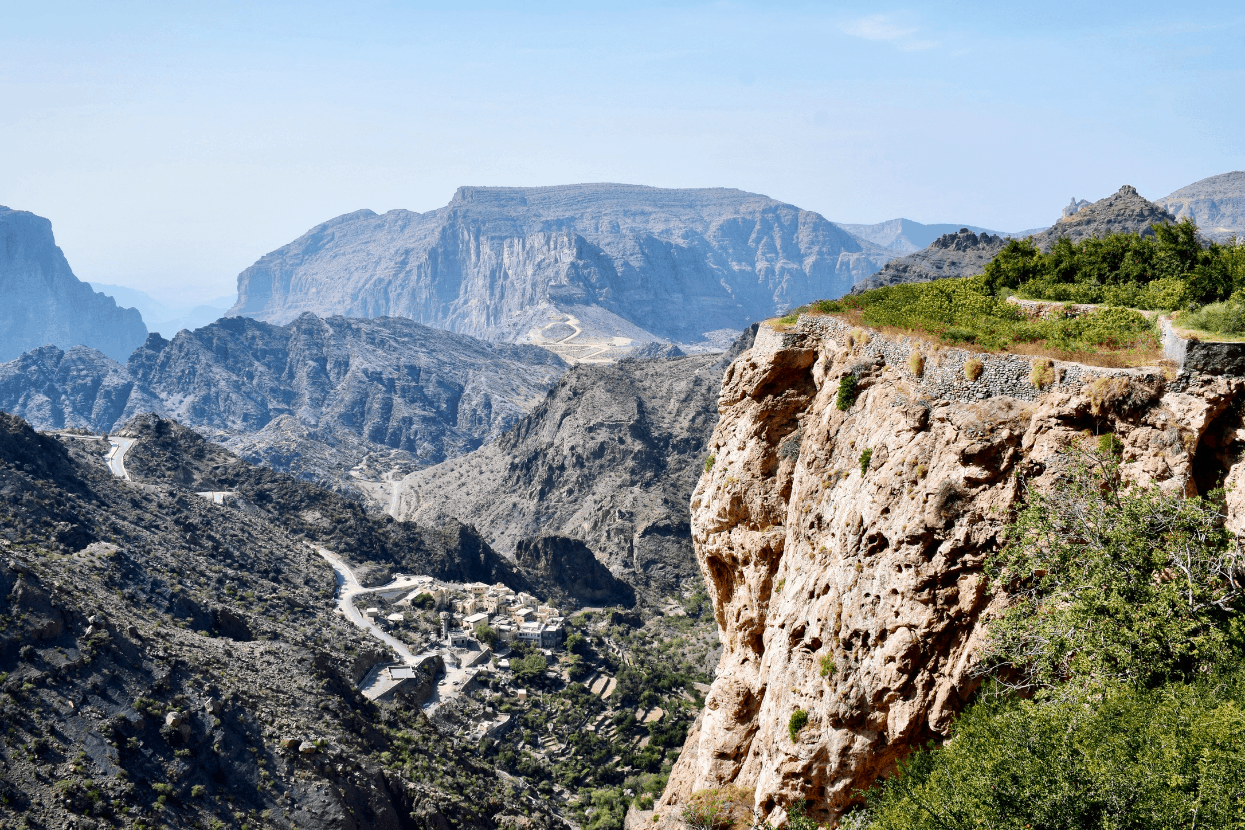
[847, 392]
[1134, 758]
[1110, 445]
[1218, 318]
[827, 665]
[865, 457]
[1111, 583]
[709, 463]
[799, 719]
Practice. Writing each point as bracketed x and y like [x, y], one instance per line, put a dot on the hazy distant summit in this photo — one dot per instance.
[904, 236]
[589, 269]
[1216, 204]
[45, 304]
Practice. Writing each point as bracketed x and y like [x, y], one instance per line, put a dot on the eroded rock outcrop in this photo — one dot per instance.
[844, 549]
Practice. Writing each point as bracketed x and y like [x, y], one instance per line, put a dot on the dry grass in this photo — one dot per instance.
[1043, 374]
[972, 369]
[1118, 359]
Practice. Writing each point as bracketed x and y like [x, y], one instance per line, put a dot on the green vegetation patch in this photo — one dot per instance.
[1115, 695]
[1163, 271]
[799, 720]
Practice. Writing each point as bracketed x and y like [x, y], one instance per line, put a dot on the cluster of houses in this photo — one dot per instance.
[515, 616]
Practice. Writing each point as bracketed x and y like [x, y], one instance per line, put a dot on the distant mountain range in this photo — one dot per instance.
[903, 236]
[44, 303]
[588, 270]
[307, 397]
[966, 253]
[162, 318]
[1216, 204]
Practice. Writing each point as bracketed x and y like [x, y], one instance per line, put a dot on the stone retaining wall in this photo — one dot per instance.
[943, 377]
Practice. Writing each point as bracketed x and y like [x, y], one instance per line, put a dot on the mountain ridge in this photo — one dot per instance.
[505, 264]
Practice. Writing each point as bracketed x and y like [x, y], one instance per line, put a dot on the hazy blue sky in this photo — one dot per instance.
[172, 144]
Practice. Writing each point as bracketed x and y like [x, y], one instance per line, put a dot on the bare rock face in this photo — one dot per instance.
[965, 253]
[80, 387]
[623, 260]
[565, 569]
[1216, 204]
[44, 303]
[844, 550]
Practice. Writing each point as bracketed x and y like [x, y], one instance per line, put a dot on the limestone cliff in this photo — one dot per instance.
[844, 548]
[45, 304]
[609, 264]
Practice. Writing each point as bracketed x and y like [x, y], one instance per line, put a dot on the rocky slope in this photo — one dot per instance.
[44, 303]
[965, 254]
[608, 460]
[844, 549]
[959, 254]
[165, 661]
[1216, 204]
[589, 269]
[78, 388]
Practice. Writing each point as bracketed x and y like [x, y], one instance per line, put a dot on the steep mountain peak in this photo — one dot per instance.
[45, 303]
[965, 254]
[1125, 211]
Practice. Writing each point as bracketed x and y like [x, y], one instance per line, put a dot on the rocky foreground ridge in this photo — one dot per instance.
[965, 253]
[843, 548]
[537, 264]
[44, 303]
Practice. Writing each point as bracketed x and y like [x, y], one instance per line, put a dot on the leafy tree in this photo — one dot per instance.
[486, 635]
[1108, 582]
[1164, 758]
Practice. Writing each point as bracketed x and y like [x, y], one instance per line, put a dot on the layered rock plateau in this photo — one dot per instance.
[853, 588]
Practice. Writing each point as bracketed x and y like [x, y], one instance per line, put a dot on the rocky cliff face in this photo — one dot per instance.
[965, 253]
[609, 458]
[512, 264]
[844, 550]
[44, 303]
[81, 388]
[1216, 204]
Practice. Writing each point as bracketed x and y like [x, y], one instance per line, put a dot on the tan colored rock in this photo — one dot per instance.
[860, 598]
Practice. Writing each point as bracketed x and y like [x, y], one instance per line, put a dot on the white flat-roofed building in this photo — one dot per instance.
[471, 622]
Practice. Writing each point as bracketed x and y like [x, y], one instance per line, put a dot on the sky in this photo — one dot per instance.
[173, 144]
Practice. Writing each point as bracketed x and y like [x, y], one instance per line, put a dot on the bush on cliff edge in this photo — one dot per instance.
[1116, 697]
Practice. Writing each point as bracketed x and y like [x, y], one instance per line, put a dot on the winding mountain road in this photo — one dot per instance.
[116, 456]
